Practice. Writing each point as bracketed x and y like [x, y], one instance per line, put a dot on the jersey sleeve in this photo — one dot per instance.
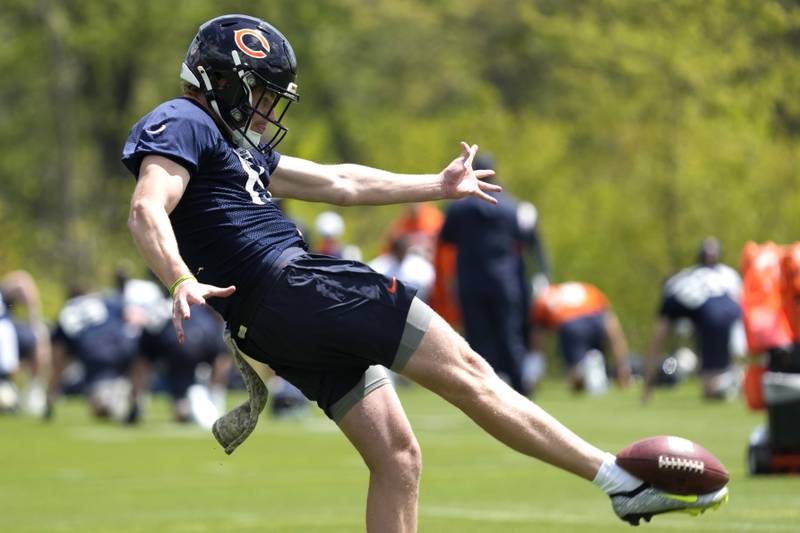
[182, 139]
[268, 159]
[272, 158]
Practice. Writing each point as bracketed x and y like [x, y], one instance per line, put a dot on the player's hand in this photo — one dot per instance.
[190, 293]
[460, 180]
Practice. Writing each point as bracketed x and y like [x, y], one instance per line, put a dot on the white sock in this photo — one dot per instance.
[217, 393]
[612, 479]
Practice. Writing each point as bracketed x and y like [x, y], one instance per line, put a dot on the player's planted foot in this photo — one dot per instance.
[646, 502]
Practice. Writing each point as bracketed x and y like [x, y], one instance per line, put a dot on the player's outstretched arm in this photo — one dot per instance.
[158, 190]
[349, 184]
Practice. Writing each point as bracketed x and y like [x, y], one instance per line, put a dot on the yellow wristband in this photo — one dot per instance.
[185, 277]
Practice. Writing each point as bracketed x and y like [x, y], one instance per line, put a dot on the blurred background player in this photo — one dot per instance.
[194, 374]
[419, 225]
[30, 341]
[708, 294]
[579, 313]
[491, 279]
[411, 265]
[93, 331]
[329, 226]
[9, 361]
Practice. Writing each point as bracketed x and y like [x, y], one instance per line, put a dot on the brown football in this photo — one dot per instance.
[674, 464]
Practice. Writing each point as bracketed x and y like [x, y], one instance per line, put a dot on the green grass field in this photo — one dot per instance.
[74, 474]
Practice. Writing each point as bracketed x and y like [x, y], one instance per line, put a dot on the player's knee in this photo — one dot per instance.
[475, 371]
[403, 464]
[476, 365]
[408, 461]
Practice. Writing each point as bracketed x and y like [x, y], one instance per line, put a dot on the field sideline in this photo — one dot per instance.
[75, 475]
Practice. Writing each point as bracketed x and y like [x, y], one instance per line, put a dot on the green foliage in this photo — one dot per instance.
[636, 127]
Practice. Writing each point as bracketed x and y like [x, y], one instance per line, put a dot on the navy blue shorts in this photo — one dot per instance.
[578, 336]
[715, 344]
[325, 321]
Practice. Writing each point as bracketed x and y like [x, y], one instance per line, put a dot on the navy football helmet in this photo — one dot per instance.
[228, 58]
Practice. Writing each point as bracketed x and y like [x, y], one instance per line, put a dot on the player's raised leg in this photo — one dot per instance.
[445, 364]
[378, 428]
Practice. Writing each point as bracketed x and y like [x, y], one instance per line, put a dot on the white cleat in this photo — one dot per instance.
[646, 502]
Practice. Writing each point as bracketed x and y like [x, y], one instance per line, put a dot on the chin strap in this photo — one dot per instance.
[253, 137]
[250, 139]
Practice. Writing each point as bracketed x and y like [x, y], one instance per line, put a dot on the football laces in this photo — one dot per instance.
[680, 463]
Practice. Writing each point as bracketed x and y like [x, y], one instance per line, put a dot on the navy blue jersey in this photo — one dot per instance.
[709, 297]
[701, 294]
[95, 332]
[228, 229]
[489, 238]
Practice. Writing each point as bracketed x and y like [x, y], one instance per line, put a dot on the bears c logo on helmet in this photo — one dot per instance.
[239, 36]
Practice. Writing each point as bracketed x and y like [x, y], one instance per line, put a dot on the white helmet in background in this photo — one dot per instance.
[329, 224]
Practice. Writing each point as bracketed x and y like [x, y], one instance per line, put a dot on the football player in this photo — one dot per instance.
[586, 327]
[179, 363]
[201, 214]
[707, 294]
[24, 311]
[491, 282]
[92, 329]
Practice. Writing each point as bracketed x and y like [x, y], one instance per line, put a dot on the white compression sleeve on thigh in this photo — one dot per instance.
[613, 479]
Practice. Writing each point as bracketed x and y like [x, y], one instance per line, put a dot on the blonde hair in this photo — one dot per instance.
[190, 90]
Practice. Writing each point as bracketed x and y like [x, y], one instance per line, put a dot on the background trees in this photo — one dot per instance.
[636, 127]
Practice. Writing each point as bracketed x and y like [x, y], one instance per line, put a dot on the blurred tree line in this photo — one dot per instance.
[636, 127]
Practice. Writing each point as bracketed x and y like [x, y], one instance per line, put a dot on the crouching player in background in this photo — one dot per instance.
[707, 294]
[24, 343]
[586, 327]
[93, 330]
[195, 373]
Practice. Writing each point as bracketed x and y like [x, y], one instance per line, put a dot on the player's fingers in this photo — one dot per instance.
[193, 299]
[181, 306]
[472, 151]
[464, 150]
[489, 186]
[177, 323]
[220, 292]
[483, 174]
[483, 196]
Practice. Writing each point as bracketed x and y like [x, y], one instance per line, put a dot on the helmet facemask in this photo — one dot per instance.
[274, 115]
